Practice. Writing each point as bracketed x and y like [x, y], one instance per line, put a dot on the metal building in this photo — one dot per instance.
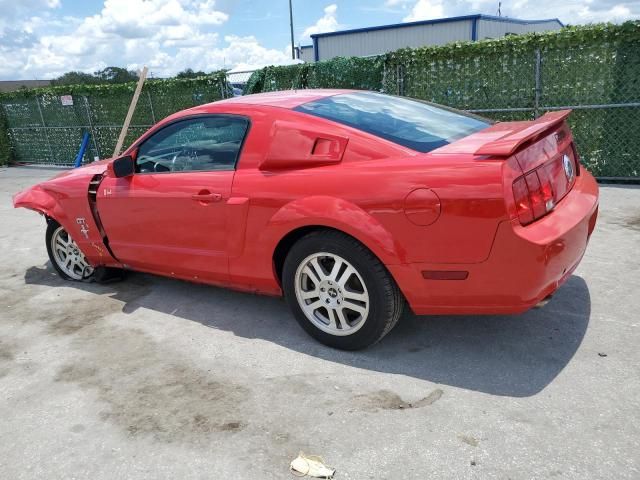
[305, 53]
[362, 42]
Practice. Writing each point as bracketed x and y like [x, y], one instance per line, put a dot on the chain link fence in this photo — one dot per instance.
[364, 73]
[238, 80]
[594, 70]
[598, 80]
[46, 126]
[598, 77]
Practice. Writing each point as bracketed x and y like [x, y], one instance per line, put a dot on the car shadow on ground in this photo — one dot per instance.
[510, 355]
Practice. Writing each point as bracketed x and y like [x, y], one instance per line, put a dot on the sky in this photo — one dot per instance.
[42, 39]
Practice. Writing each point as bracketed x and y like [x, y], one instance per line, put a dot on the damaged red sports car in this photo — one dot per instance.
[351, 204]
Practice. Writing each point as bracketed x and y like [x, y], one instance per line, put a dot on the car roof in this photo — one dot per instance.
[288, 99]
[285, 98]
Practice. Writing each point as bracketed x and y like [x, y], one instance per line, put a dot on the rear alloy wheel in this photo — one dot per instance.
[339, 291]
[332, 294]
[65, 255]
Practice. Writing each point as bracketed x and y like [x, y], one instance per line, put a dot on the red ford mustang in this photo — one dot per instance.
[350, 203]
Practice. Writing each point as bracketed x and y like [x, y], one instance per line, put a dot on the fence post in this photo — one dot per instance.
[538, 85]
[222, 85]
[5, 141]
[384, 77]
[93, 133]
[44, 127]
[153, 113]
[400, 79]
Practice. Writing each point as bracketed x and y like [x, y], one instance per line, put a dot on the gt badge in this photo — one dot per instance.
[84, 229]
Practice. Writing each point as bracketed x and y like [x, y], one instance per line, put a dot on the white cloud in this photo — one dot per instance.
[397, 3]
[572, 12]
[425, 10]
[166, 35]
[576, 13]
[142, 18]
[327, 23]
[11, 8]
[38, 41]
[240, 52]
[13, 12]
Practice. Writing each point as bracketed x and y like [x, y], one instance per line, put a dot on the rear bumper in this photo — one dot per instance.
[526, 264]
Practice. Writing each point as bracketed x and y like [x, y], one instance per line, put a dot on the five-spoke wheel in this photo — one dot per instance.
[339, 291]
[332, 293]
[65, 255]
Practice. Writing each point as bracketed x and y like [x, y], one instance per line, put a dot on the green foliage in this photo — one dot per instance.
[117, 75]
[274, 78]
[75, 78]
[583, 65]
[99, 109]
[189, 73]
[5, 148]
[354, 72]
[255, 84]
[108, 75]
[576, 69]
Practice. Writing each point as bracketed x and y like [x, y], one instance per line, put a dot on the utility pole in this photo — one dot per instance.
[293, 48]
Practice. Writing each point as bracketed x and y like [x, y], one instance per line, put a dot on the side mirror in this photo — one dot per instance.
[122, 167]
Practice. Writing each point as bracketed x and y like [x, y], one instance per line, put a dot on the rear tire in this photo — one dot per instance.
[339, 291]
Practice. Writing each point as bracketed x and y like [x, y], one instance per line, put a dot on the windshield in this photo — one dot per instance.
[413, 124]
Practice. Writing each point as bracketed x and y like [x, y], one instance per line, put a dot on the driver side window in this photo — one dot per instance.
[204, 143]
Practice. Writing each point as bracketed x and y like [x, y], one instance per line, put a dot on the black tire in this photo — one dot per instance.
[52, 227]
[99, 274]
[386, 302]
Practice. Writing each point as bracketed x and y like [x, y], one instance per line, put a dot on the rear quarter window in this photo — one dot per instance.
[417, 125]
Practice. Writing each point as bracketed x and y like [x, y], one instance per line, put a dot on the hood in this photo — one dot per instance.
[90, 169]
[69, 183]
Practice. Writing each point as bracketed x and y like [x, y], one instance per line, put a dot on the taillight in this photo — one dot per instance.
[533, 194]
[523, 205]
[544, 185]
[546, 189]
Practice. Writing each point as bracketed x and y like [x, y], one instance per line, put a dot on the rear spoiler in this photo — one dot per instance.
[519, 133]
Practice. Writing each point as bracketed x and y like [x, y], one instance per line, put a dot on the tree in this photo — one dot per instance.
[189, 73]
[116, 75]
[108, 75]
[75, 78]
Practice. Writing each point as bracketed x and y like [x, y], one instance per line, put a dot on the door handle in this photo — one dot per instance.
[207, 197]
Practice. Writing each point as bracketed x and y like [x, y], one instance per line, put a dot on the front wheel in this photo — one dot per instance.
[339, 291]
[65, 256]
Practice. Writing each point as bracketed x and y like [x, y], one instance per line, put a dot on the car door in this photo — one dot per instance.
[170, 216]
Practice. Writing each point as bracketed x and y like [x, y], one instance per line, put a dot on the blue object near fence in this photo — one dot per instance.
[83, 148]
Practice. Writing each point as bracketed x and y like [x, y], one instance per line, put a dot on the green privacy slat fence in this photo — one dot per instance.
[594, 69]
[36, 126]
[353, 72]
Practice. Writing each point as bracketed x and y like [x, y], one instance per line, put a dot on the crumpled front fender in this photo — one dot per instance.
[42, 201]
[71, 210]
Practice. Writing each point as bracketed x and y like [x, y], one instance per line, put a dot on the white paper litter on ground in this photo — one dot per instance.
[311, 466]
